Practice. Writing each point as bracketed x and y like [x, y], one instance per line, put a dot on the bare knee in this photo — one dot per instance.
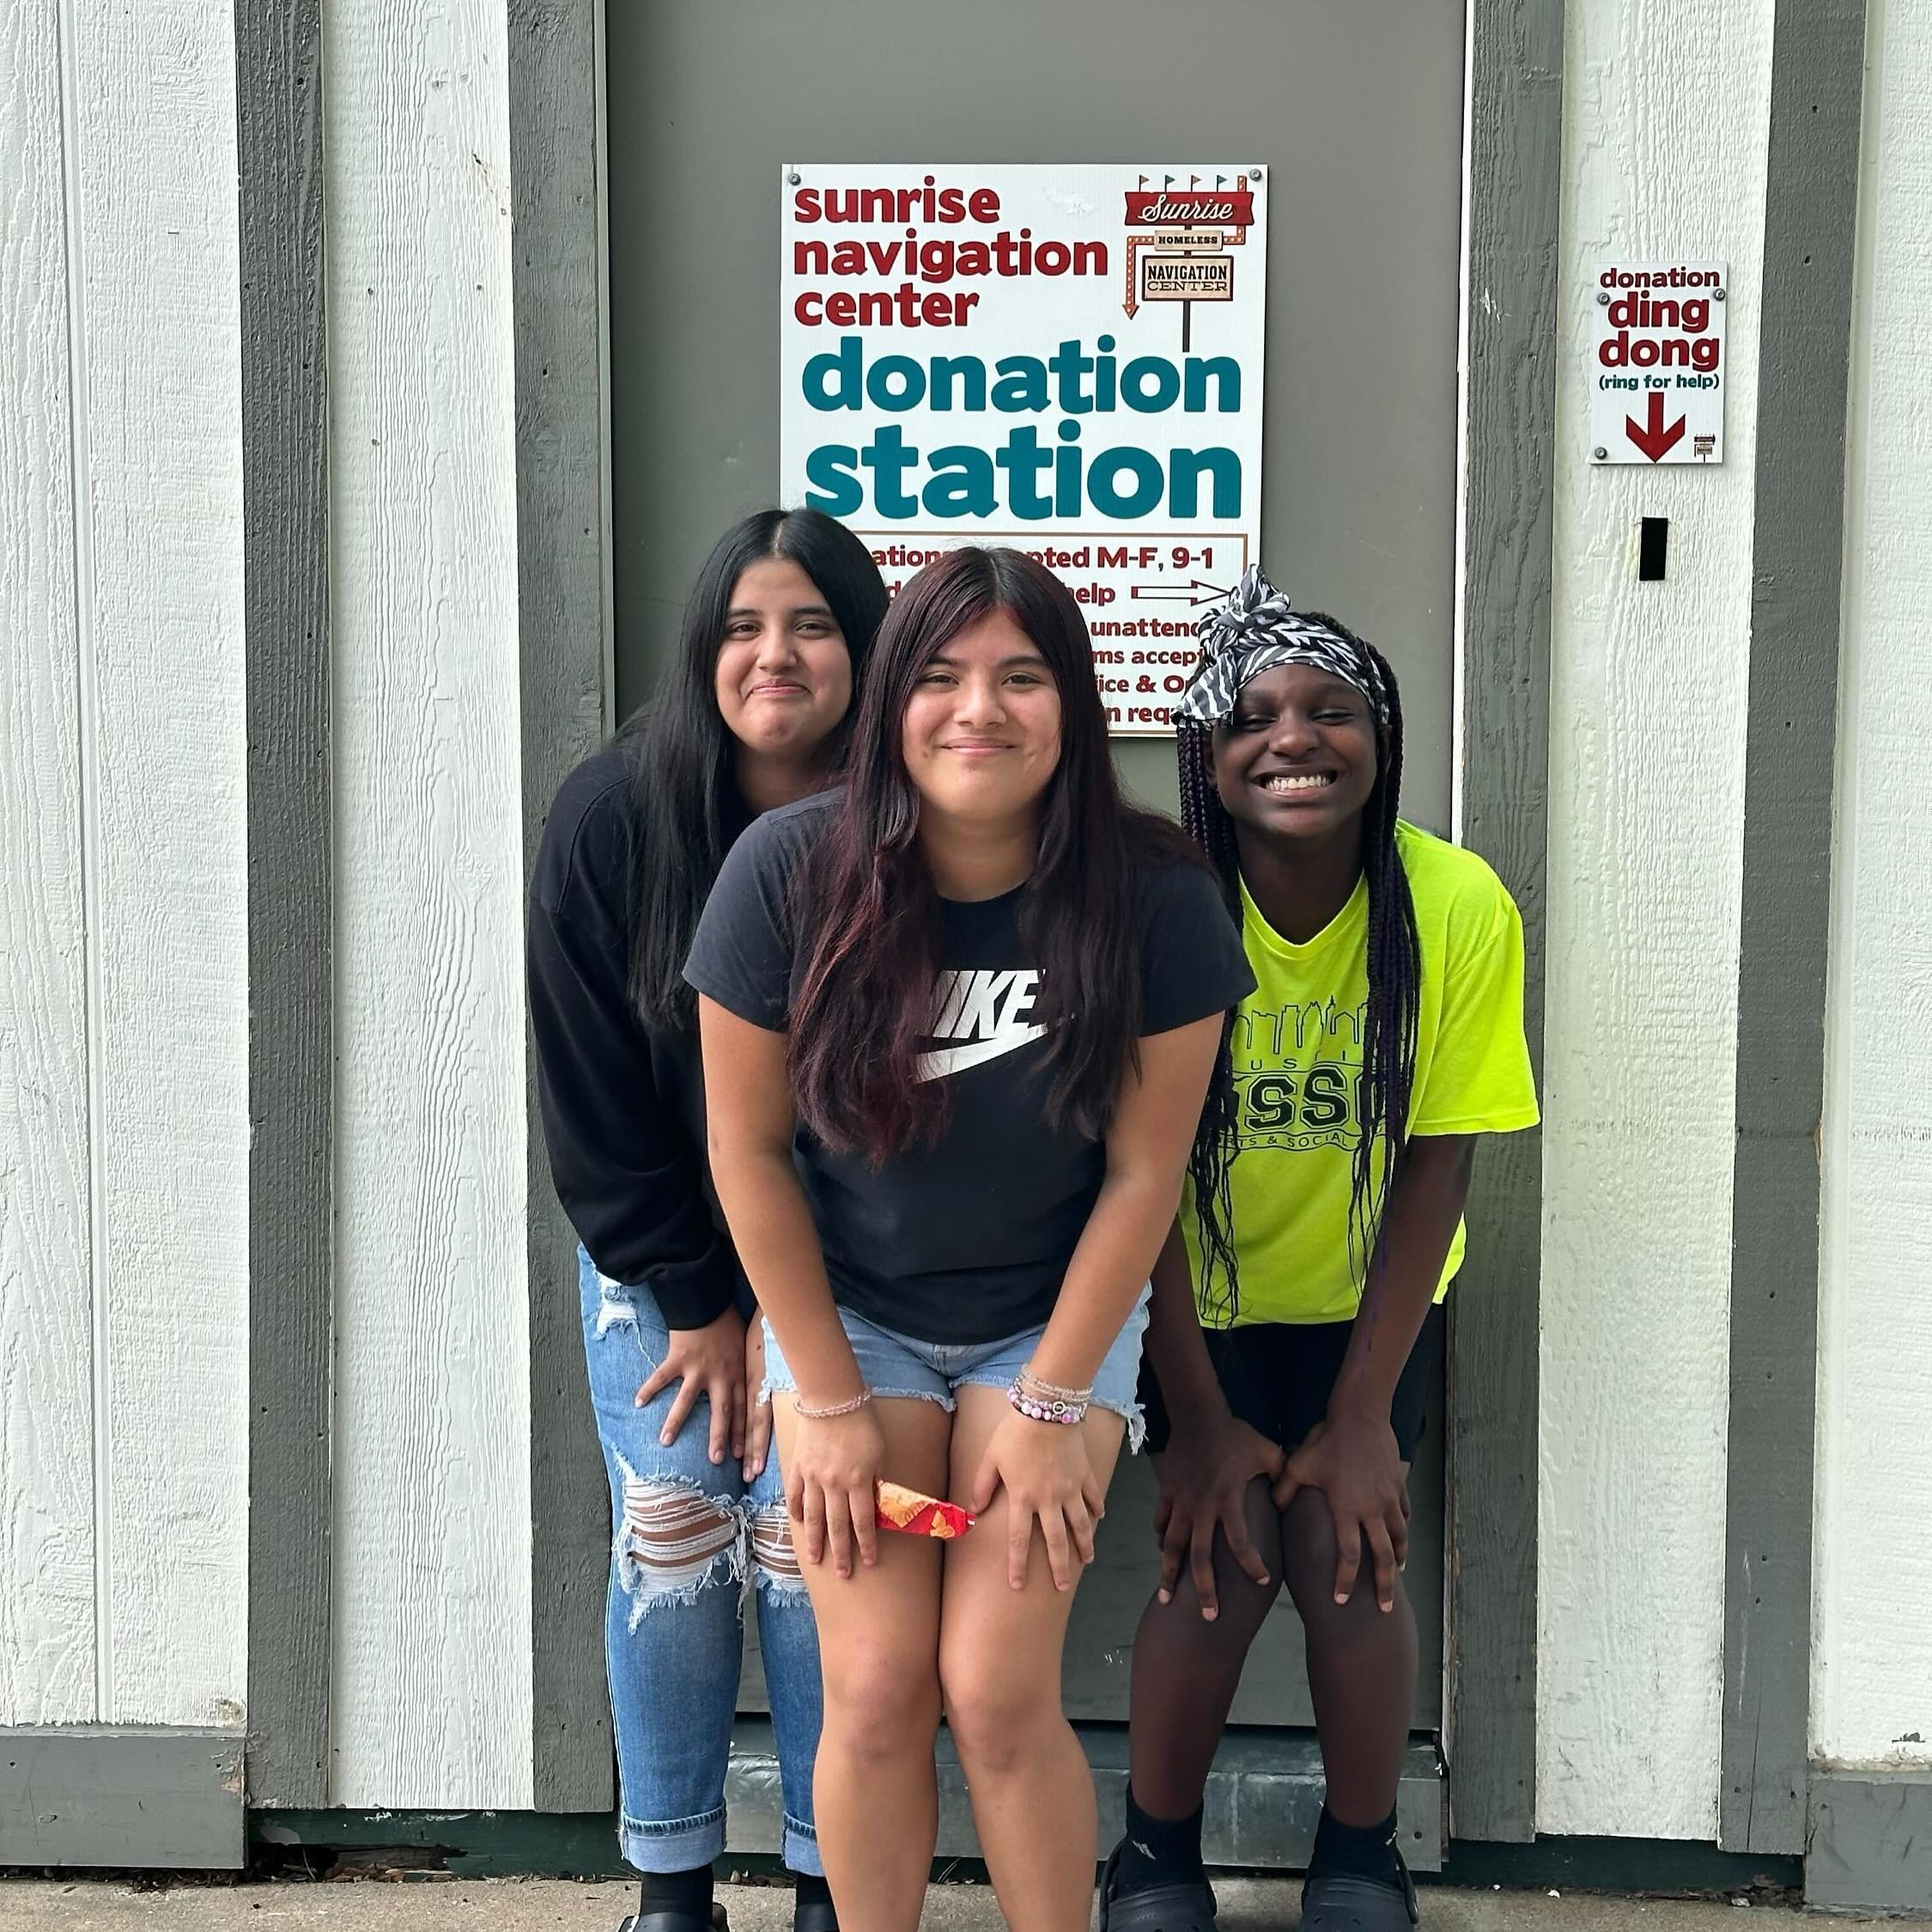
[1309, 1553]
[881, 1702]
[994, 1708]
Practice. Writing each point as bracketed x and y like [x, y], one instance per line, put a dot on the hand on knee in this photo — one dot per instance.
[1310, 1554]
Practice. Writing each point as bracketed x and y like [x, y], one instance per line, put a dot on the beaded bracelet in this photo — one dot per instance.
[1048, 1401]
[832, 1409]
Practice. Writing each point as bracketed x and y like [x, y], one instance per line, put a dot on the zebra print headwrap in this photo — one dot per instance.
[1254, 629]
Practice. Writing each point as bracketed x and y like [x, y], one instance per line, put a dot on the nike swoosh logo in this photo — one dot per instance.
[943, 1060]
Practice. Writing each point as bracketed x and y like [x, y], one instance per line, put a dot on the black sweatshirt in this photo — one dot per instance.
[623, 1103]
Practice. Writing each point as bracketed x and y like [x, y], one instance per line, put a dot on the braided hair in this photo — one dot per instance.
[1264, 634]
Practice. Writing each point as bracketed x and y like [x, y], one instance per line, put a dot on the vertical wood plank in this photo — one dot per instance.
[1647, 767]
[563, 572]
[47, 1403]
[431, 1694]
[1872, 1645]
[285, 485]
[1811, 208]
[153, 93]
[1515, 163]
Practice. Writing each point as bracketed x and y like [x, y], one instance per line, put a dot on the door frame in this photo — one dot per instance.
[1513, 108]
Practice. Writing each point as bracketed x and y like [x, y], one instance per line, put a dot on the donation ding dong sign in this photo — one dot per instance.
[1656, 368]
[1067, 360]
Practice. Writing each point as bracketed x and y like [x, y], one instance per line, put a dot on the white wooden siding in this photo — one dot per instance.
[48, 1657]
[432, 1670]
[124, 1339]
[152, 94]
[1664, 155]
[1871, 1658]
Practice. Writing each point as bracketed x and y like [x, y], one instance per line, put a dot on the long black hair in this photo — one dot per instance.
[686, 806]
[1394, 972]
[870, 914]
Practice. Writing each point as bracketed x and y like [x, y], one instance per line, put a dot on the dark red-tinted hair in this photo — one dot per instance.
[868, 914]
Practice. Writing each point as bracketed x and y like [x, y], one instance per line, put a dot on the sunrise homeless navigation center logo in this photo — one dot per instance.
[1178, 241]
[983, 1012]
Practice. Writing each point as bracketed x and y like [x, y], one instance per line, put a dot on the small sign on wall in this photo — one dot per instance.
[1657, 368]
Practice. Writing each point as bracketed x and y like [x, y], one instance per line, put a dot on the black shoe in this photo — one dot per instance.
[1347, 1902]
[1160, 1908]
[713, 1921]
[814, 1915]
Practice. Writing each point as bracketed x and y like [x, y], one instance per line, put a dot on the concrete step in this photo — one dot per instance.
[1264, 1795]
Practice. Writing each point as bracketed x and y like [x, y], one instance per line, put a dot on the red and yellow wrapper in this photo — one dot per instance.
[905, 1510]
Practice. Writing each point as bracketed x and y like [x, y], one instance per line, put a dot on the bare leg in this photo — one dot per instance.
[1000, 1661]
[1185, 1670]
[1361, 1667]
[874, 1791]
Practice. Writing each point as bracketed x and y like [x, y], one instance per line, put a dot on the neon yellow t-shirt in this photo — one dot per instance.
[1297, 1062]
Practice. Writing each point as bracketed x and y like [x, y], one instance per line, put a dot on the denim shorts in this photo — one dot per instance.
[893, 1364]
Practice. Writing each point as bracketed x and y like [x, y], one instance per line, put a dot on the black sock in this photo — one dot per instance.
[1368, 1851]
[809, 1888]
[677, 1892]
[1157, 1851]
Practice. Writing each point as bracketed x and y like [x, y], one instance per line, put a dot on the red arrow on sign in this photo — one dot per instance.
[1654, 440]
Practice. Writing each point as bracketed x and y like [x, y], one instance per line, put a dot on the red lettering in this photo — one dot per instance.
[804, 204]
[984, 205]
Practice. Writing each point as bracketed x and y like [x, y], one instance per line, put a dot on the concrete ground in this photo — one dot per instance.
[545, 1905]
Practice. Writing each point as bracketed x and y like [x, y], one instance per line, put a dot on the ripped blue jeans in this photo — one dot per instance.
[687, 1535]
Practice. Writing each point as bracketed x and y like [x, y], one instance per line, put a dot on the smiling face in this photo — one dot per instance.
[783, 676]
[1296, 759]
[981, 734]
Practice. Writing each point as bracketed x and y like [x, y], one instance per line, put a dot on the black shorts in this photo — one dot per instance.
[1278, 1377]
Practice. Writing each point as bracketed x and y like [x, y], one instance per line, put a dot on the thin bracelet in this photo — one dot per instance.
[1038, 1385]
[832, 1409]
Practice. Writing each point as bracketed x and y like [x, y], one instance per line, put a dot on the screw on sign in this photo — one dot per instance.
[1656, 362]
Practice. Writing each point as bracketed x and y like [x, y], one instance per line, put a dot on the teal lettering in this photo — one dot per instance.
[1103, 482]
[835, 489]
[1185, 467]
[847, 364]
[1021, 386]
[1226, 372]
[903, 370]
[1023, 460]
[1134, 392]
[961, 484]
[970, 372]
[889, 459]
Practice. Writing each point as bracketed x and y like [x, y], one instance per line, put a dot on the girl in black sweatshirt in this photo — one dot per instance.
[751, 715]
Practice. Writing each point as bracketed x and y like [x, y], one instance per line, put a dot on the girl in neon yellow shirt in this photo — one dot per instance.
[1294, 1354]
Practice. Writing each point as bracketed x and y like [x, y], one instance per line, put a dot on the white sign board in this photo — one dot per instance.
[1656, 371]
[1067, 360]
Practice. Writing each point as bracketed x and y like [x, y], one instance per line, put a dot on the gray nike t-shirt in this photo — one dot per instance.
[965, 1240]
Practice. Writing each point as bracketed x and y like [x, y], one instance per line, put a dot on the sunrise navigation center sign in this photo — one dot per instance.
[1656, 369]
[1067, 360]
